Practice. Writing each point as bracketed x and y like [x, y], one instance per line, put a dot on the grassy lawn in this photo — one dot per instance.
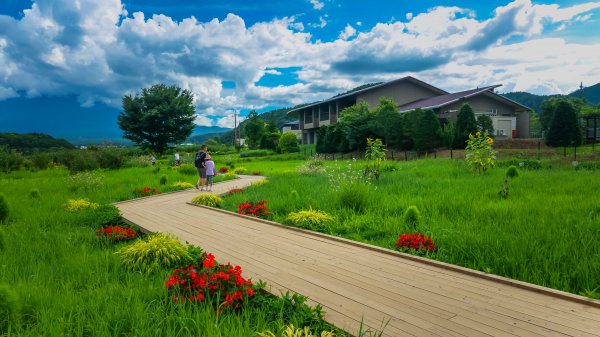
[546, 232]
[68, 283]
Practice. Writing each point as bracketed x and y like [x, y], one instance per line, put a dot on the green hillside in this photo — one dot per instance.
[590, 94]
[32, 142]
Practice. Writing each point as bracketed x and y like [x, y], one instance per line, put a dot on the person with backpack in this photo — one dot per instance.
[199, 163]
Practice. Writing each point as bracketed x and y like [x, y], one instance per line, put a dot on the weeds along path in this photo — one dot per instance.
[354, 282]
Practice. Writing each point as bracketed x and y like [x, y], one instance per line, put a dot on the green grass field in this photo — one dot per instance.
[546, 232]
[70, 284]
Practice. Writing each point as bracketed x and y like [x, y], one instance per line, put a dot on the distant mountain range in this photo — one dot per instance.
[590, 94]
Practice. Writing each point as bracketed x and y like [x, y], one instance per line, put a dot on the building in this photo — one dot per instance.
[293, 127]
[510, 119]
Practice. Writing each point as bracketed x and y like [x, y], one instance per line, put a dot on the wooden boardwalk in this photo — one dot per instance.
[411, 296]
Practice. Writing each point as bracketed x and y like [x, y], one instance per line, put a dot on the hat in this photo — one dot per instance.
[208, 157]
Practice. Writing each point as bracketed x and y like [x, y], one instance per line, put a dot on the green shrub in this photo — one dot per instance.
[9, 308]
[230, 175]
[40, 160]
[188, 170]
[207, 199]
[85, 181]
[288, 142]
[312, 166]
[163, 180]
[311, 219]
[102, 216]
[109, 158]
[35, 194]
[354, 196]
[10, 160]
[512, 172]
[158, 251]
[2, 240]
[588, 165]
[4, 209]
[411, 216]
[156, 169]
[294, 194]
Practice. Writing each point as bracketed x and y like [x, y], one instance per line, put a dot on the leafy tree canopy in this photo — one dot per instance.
[158, 118]
[564, 128]
[254, 129]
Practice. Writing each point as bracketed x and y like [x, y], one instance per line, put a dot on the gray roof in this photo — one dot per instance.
[443, 100]
[407, 78]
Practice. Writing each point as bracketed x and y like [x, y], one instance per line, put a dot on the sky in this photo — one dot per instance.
[239, 55]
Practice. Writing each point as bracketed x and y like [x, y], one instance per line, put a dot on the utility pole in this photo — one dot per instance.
[581, 90]
[234, 128]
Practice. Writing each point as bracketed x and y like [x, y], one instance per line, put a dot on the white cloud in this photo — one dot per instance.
[409, 16]
[318, 5]
[347, 33]
[359, 23]
[95, 50]
[228, 121]
[203, 121]
[322, 22]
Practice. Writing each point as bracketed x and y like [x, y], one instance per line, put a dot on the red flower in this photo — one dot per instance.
[116, 233]
[415, 241]
[223, 169]
[258, 209]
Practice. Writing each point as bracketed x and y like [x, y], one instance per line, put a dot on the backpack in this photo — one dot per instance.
[199, 161]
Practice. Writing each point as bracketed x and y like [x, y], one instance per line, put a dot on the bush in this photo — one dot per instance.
[9, 308]
[4, 209]
[35, 194]
[291, 331]
[411, 216]
[145, 192]
[163, 180]
[40, 160]
[231, 175]
[294, 194]
[239, 170]
[182, 185]
[207, 199]
[311, 219]
[76, 205]
[156, 252]
[188, 170]
[415, 243]
[109, 159]
[312, 166]
[354, 196]
[512, 172]
[9, 160]
[223, 169]
[288, 142]
[102, 216]
[116, 233]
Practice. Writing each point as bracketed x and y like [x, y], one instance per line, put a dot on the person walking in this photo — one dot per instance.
[210, 172]
[153, 160]
[199, 163]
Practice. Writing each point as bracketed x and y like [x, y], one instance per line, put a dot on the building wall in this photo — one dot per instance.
[523, 119]
[401, 92]
[298, 133]
[484, 104]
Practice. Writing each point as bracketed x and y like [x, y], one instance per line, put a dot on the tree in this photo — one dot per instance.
[358, 124]
[564, 128]
[254, 129]
[549, 108]
[269, 140]
[427, 134]
[288, 142]
[410, 121]
[159, 118]
[465, 124]
[388, 122]
[485, 124]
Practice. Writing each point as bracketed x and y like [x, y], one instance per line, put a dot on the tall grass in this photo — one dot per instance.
[68, 283]
[547, 231]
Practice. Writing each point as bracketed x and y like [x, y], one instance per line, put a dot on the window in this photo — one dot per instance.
[324, 115]
[295, 127]
[308, 117]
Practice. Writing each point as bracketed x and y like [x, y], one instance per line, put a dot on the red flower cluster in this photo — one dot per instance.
[116, 233]
[235, 190]
[256, 173]
[223, 169]
[258, 209]
[208, 280]
[415, 241]
[145, 192]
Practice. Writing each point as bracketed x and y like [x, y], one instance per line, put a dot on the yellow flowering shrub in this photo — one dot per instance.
[75, 205]
[183, 185]
[480, 154]
[310, 219]
[291, 331]
[207, 199]
[240, 170]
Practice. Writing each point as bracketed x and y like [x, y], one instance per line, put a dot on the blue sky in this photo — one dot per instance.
[237, 55]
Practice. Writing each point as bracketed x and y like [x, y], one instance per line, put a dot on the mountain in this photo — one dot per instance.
[202, 130]
[31, 142]
[590, 94]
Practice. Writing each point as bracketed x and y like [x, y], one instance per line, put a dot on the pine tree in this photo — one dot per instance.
[427, 134]
[564, 128]
[465, 124]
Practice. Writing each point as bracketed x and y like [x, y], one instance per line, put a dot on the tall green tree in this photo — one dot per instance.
[485, 124]
[564, 128]
[410, 122]
[549, 108]
[388, 122]
[465, 124]
[358, 124]
[159, 118]
[448, 134]
[254, 128]
[427, 134]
